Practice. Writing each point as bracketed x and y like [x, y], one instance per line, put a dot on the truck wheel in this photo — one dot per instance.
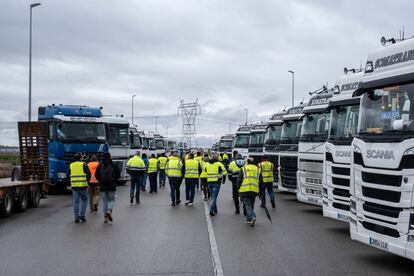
[23, 200]
[35, 198]
[6, 205]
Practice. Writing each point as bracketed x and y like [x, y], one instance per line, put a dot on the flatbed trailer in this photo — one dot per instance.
[25, 190]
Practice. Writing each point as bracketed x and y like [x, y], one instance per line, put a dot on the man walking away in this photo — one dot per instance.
[107, 175]
[267, 178]
[174, 173]
[191, 170]
[249, 188]
[136, 169]
[93, 188]
[203, 177]
[215, 171]
[79, 178]
[152, 173]
[162, 160]
[144, 179]
[234, 170]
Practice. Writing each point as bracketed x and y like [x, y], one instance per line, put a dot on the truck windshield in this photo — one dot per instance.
[291, 132]
[273, 134]
[226, 144]
[118, 134]
[81, 132]
[151, 143]
[315, 127]
[256, 139]
[136, 142]
[388, 113]
[159, 144]
[145, 144]
[242, 141]
[344, 123]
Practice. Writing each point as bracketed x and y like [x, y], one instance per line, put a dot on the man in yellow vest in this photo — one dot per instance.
[234, 171]
[267, 178]
[175, 177]
[162, 160]
[215, 172]
[191, 170]
[136, 169]
[152, 171]
[203, 177]
[79, 177]
[248, 182]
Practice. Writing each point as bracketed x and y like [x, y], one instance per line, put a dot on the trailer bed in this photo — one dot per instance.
[6, 182]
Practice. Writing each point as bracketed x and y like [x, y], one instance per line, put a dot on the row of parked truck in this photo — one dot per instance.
[350, 149]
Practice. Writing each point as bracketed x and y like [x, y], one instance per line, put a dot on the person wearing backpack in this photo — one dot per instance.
[107, 175]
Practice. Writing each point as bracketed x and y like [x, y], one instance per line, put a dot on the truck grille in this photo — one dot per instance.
[340, 206]
[288, 169]
[379, 194]
[341, 192]
[70, 156]
[340, 181]
[382, 179]
[381, 229]
[341, 171]
[313, 181]
[382, 210]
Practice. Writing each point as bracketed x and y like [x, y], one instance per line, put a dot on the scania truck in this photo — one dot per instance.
[241, 140]
[288, 154]
[382, 198]
[72, 129]
[256, 142]
[344, 111]
[311, 148]
[272, 140]
[225, 144]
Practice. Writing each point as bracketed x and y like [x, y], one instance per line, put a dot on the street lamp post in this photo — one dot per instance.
[247, 112]
[30, 62]
[156, 124]
[132, 109]
[293, 86]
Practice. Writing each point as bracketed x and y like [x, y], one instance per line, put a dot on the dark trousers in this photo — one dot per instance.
[162, 178]
[248, 202]
[235, 194]
[153, 182]
[269, 188]
[204, 187]
[190, 184]
[136, 183]
[175, 184]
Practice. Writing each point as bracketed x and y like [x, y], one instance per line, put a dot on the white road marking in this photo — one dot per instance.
[213, 245]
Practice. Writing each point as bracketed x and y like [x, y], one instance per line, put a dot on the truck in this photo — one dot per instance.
[117, 129]
[226, 144]
[26, 189]
[382, 172]
[288, 149]
[256, 141]
[312, 140]
[138, 141]
[72, 129]
[241, 140]
[272, 140]
[344, 111]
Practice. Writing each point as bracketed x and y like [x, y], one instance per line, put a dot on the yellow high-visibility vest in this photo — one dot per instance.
[233, 168]
[152, 165]
[77, 175]
[163, 162]
[136, 162]
[212, 170]
[266, 169]
[191, 169]
[250, 182]
[203, 166]
[173, 168]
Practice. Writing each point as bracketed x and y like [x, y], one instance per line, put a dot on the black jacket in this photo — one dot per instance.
[107, 176]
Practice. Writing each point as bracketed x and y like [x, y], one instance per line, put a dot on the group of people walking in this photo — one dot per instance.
[249, 180]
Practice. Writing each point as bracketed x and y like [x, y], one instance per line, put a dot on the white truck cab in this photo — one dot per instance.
[382, 207]
[288, 149]
[311, 148]
[241, 140]
[344, 109]
[256, 142]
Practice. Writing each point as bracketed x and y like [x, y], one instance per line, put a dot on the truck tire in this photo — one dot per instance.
[23, 200]
[35, 198]
[6, 205]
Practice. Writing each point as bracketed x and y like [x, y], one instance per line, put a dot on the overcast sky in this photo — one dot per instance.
[230, 55]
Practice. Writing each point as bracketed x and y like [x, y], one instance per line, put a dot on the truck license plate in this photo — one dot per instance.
[378, 243]
[343, 217]
[312, 200]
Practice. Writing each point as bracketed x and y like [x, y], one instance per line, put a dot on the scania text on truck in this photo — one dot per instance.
[72, 129]
[241, 141]
[288, 154]
[256, 142]
[225, 144]
[382, 207]
[312, 140]
[272, 140]
[344, 111]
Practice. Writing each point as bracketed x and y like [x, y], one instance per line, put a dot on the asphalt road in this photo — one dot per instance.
[156, 239]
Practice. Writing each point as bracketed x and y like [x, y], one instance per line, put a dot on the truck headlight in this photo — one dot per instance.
[409, 151]
[62, 175]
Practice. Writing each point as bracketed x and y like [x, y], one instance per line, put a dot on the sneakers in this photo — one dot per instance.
[131, 201]
[273, 204]
[82, 219]
[190, 204]
[109, 215]
[77, 220]
[187, 202]
[106, 219]
[173, 204]
[211, 214]
[253, 222]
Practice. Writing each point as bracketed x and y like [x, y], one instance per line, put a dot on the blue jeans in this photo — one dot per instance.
[190, 184]
[248, 203]
[144, 181]
[214, 188]
[79, 195]
[269, 188]
[162, 178]
[175, 184]
[108, 199]
[136, 184]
